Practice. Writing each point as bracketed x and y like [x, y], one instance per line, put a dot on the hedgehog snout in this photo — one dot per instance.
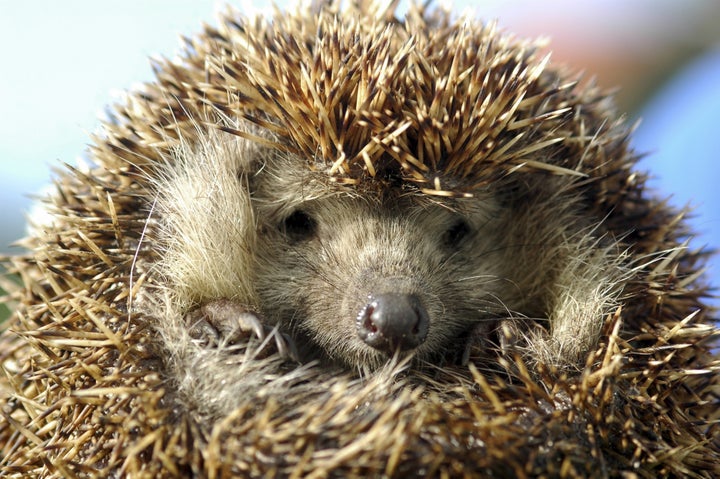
[393, 321]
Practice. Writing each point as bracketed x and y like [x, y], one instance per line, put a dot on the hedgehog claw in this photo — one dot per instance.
[201, 329]
[465, 357]
[223, 321]
[477, 344]
[285, 346]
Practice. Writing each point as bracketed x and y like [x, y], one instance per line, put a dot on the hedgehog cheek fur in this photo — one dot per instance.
[206, 231]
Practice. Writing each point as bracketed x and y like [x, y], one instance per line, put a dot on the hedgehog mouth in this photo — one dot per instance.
[455, 348]
[456, 351]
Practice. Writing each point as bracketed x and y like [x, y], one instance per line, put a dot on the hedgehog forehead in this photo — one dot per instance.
[283, 184]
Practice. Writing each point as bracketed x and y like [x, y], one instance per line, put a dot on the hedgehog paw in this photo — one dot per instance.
[478, 343]
[223, 321]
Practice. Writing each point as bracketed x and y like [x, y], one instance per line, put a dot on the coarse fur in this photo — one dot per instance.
[292, 167]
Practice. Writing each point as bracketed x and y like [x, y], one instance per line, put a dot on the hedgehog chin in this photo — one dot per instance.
[376, 363]
[368, 361]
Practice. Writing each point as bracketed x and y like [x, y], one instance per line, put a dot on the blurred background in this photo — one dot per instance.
[64, 62]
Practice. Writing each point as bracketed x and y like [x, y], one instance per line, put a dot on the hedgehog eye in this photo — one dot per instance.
[299, 226]
[456, 233]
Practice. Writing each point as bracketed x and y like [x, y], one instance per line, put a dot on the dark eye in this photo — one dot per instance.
[299, 226]
[459, 230]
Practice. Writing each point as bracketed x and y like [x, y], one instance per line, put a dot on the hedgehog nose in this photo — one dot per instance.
[389, 322]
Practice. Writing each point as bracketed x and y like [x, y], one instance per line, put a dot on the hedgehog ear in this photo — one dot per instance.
[251, 150]
[244, 168]
[248, 168]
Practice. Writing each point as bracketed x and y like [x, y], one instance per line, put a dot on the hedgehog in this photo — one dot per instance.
[342, 242]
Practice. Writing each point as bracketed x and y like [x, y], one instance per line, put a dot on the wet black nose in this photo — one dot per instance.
[393, 321]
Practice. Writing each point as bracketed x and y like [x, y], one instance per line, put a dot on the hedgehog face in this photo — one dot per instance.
[362, 273]
[355, 273]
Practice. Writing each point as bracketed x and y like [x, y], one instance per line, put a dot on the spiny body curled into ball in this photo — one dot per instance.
[424, 201]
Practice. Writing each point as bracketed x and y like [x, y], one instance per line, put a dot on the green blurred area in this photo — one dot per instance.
[4, 310]
[5, 277]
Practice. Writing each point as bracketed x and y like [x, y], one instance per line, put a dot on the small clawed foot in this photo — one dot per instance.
[225, 321]
[479, 343]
